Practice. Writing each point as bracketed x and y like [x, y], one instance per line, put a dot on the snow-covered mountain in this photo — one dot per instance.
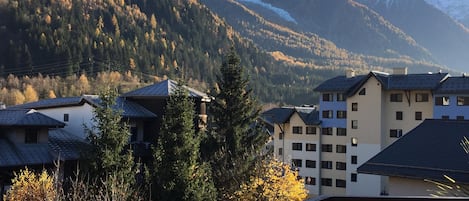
[457, 9]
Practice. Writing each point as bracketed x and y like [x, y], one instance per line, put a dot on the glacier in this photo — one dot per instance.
[280, 12]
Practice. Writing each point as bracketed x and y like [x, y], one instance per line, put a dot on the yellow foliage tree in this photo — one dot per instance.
[274, 181]
[30, 94]
[83, 84]
[14, 97]
[51, 94]
[28, 185]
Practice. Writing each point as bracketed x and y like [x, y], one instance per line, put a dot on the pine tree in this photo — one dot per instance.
[237, 138]
[179, 174]
[109, 138]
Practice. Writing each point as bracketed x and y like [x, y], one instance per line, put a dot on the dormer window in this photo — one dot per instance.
[66, 117]
[31, 136]
[362, 92]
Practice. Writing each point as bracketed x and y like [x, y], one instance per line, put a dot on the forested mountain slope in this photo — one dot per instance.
[174, 38]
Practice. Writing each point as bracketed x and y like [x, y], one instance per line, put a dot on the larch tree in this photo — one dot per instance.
[109, 137]
[179, 173]
[273, 181]
[234, 143]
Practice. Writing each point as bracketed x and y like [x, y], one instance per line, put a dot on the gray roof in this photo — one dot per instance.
[129, 109]
[341, 84]
[454, 85]
[62, 145]
[162, 89]
[429, 151]
[27, 117]
[410, 81]
[309, 115]
[57, 102]
[351, 85]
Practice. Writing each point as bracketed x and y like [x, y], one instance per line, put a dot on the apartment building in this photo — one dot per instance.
[296, 141]
[360, 115]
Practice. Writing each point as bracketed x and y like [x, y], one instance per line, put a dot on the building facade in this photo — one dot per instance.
[360, 116]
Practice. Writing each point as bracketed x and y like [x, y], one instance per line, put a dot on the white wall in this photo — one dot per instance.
[411, 187]
[79, 116]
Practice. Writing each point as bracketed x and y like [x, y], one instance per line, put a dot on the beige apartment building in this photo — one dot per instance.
[358, 116]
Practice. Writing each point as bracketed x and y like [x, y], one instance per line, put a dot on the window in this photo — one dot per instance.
[326, 97]
[310, 164]
[353, 177]
[445, 117]
[442, 100]
[341, 148]
[396, 97]
[395, 133]
[296, 162]
[326, 147]
[459, 117]
[297, 146]
[297, 130]
[310, 181]
[326, 131]
[362, 92]
[341, 131]
[326, 182]
[354, 141]
[463, 100]
[341, 114]
[421, 97]
[133, 133]
[398, 115]
[340, 183]
[354, 159]
[354, 124]
[311, 130]
[327, 114]
[30, 136]
[340, 166]
[66, 117]
[340, 97]
[354, 106]
[326, 164]
[280, 135]
[418, 115]
[310, 147]
[280, 151]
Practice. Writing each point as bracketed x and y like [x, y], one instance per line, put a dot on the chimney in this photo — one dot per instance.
[399, 71]
[349, 73]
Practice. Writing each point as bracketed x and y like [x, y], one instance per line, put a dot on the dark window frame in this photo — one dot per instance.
[462, 100]
[297, 162]
[396, 97]
[327, 114]
[399, 115]
[326, 165]
[297, 146]
[442, 101]
[341, 131]
[341, 114]
[327, 97]
[418, 115]
[422, 97]
[310, 164]
[340, 165]
[340, 183]
[353, 177]
[326, 182]
[311, 130]
[311, 147]
[339, 148]
[326, 131]
[340, 97]
[297, 130]
[395, 133]
[354, 159]
[327, 148]
[354, 106]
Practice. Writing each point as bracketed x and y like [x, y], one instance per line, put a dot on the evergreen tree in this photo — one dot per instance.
[109, 139]
[237, 138]
[179, 174]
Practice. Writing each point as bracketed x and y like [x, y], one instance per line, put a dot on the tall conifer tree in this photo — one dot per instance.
[109, 138]
[237, 138]
[179, 174]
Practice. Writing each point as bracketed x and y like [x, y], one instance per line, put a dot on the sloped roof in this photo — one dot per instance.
[340, 84]
[309, 115]
[57, 102]
[27, 117]
[454, 85]
[129, 108]
[162, 89]
[429, 151]
[62, 145]
[410, 81]
[66, 146]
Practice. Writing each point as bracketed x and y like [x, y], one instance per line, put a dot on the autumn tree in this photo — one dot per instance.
[236, 138]
[30, 94]
[273, 181]
[179, 174]
[28, 185]
[109, 139]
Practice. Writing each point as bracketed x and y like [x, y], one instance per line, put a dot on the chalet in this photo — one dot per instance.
[30, 138]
